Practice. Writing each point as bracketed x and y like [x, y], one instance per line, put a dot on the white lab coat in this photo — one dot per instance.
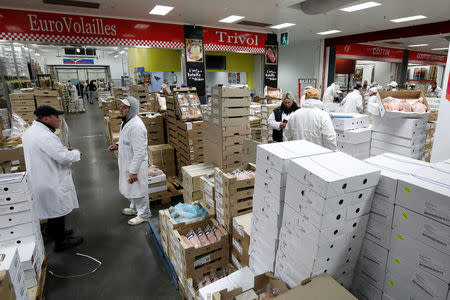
[353, 102]
[330, 93]
[438, 91]
[133, 158]
[312, 123]
[49, 164]
[73, 92]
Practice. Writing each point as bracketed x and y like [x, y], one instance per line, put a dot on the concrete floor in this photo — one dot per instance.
[131, 267]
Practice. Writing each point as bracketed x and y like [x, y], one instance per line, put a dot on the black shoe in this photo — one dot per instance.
[68, 243]
[68, 232]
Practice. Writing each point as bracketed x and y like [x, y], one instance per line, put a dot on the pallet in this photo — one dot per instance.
[171, 193]
[36, 292]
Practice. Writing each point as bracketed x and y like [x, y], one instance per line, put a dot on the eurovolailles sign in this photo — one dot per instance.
[71, 25]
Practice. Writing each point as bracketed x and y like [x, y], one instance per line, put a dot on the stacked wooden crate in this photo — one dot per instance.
[266, 130]
[23, 105]
[227, 127]
[154, 122]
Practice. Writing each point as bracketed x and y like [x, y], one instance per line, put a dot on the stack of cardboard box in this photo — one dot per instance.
[140, 92]
[23, 105]
[108, 105]
[154, 123]
[266, 130]
[12, 159]
[227, 127]
[401, 136]
[233, 196]
[19, 226]
[192, 185]
[163, 156]
[328, 200]
[255, 121]
[241, 240]
[355, 142]
[114, 122]
[119, 93]
[272, 166]
[429, 139]
[12, 276]
[190, 143]
[48, 97]
[208, 200]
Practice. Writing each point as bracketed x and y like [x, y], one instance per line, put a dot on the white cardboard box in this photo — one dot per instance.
[16, 218]
[157, 179]
[372, 263]
[334, 173]
[405, 142]
[378, 230]
[277, 155]
[10, 261]
[383, 208]
[426, 193]
[270, 188]
[364, 290]
[13, 183]
[406, 128]
[7, 199]
[422, 228]
[374, 151]
[407, 254]
[402, 150]
[355, 136]
[353, 149]
[362, 156]
[347, 121]
[15, 207]
[17, 231]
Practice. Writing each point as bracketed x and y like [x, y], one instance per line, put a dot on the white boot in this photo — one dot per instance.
[137, 220]
[129, 212]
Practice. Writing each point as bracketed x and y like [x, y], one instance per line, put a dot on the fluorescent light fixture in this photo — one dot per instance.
[161, 10]
[329, 32]
[418, 45]
[283, 25]
[360, 6]
[438, 49]
[78, 50]
[122, 52]
[231, 19]
[116, 56]
[407, 19]
[37, 54]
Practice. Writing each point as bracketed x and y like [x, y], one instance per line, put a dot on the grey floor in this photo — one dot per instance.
[131, 267]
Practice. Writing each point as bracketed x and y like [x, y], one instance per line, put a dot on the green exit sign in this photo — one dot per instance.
[284, 39]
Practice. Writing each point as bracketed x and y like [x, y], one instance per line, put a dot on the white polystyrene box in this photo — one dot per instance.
[402, 150]
[406, 128]
[353, 149]
[355, 136]
[405, 142]
[349, 121]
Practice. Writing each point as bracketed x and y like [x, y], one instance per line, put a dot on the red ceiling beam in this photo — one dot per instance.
[403, 32]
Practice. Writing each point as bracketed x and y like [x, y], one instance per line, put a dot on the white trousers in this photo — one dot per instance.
[142, 206]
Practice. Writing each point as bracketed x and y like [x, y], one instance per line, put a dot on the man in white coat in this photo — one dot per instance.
[331, 93]
[353, 102]
[312, 123]
[435, 89]
[49, 164]
[133, 162]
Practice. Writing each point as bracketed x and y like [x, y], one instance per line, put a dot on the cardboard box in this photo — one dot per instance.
[217, 133]
[45, 93]
[230, 121]
[230, 92]
[422, 228]
[407, 151]
[192, 174]
[426, 194]
[228, 112]
[372, 263]
[249, 151]
[223, 102]
[191, 284]
[406, 128]
[24, 108]
[241, 239]
[353, 174]
[364, 290]
[208, 199]
[347, 121]
[10, 264]
[16, 218]
[353, 149]
[6, 288]
[355, 136]
[22, 102]
[20, 96]
[392, 139]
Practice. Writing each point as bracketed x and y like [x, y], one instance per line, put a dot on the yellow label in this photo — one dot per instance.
[399, 237]
[391, 282]
[397, 261]
[404, 215]
[407, 189]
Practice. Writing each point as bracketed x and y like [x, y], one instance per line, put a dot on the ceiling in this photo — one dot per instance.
[433, 41]
[208, 12]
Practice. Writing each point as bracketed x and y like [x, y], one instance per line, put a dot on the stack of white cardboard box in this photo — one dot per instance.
[406, 254]
[19, 227]
[272, 165]
[11, 275]
[328, 199]
[400, 136]
[353, 134]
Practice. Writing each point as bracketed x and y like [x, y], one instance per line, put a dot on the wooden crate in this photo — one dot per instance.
[192, 282]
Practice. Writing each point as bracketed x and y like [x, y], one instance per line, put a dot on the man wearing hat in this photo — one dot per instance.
[353, 102]
[133, 162]
[48, 164]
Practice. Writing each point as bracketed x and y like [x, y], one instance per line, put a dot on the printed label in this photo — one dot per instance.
[189, 126]
[209, 201]
[202, 261]
[237, 246]
[218, 177]
[407, 189]
[219, 209]
[220, 220]
[219, 200]
[434, 211]
[422, 283]
[219, 189]
[208, 188]
[238, 230]
[191, 289]
[215, 111]
[391, 283]
[397, 261]
[436, 235]
[216, 121]
[432, 265]
[399, 237]
[235, 262]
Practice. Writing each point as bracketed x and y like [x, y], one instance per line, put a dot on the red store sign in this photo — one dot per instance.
[358, 51]
[20, 25]
[235, 41]
[431, 58]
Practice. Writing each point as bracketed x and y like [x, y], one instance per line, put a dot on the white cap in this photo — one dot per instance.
[393, 84]
[125, 101]
[373, 90]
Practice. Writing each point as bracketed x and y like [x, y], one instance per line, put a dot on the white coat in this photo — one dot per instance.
[48, 163]
[133, 158]
[353, 102]
[330, 93]
[438, 91]
[313, 124]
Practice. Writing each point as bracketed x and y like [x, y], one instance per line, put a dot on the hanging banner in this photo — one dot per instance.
[195, 60]
[426, 58]
[233, 41]
[78, 61]
[31, 26]
[358, 51]
[271, 61]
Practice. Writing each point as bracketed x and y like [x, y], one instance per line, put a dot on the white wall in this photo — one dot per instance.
[441, 145]
[301, 59]
[258, 74]
[383, 71]
[215, 78]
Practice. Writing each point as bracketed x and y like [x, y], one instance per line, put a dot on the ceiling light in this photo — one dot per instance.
[231, 19]
[122, 52]
[418, 45]
[78, 50]
[281, 26]
[116, 56]
[37, 54]
[328, 32]
[408, 19]
[161, 10]
[360, 6]
[437, 49]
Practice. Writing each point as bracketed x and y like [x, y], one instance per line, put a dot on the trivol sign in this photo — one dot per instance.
[70, 25]
[242, 39]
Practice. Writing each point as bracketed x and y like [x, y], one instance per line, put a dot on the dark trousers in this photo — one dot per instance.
[56, 229]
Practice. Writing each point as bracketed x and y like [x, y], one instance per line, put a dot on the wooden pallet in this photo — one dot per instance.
[36, 292]
[174, 189]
